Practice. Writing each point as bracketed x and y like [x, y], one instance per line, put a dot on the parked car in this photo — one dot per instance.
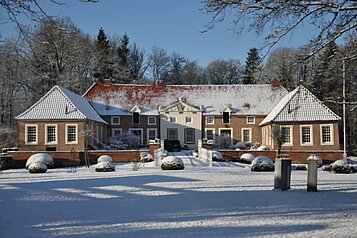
[172, 145]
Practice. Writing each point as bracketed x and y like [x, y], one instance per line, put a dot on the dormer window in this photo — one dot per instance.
[136, 118]
[225, 117]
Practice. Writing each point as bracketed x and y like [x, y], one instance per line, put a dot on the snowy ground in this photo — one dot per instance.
[226, 200]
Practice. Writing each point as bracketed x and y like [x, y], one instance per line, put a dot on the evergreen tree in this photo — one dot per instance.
[103, 68]
[124, 74]
[252, 67]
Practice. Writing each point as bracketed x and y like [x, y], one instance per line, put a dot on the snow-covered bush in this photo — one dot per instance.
[247, 158]
[42, 158]
[263, 148]
[262, 163]
[319, 160]
[125, 141]
[217, 156]
[146, 157]
[37, 167]
[240, 145]
[104, 166]
[340, 167]
[172, 163]
[224, 141]
[105, 158]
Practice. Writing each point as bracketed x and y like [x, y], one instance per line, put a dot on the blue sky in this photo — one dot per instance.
[174, 25]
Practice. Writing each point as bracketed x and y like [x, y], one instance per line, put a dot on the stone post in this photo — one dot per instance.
[282, 174]
[312, 174]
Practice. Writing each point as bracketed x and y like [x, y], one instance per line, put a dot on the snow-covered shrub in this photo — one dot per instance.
[125, 141]
[319, 160]
[224, 141]
[247, 158]
[37, 167]
[217, 156]
[172, 163]
[263, 148]
[241, 145]
[105, 158]
[104, 166]
[42, 158]
[340, 167]
[146, 157]
[262, 163]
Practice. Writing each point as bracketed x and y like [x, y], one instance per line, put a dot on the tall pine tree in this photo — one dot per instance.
[103, 68]
[252, 67]
[124, 74]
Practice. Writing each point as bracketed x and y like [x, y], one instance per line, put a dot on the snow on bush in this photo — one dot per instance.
[224, 141]
[319, 160]
[146, 157]
[262, 163]
[217, 156]
[37, 167]
[172, 163]
[125, 141]
[42, 158]
[104, 166]
[241, 145]
[105, 158]
[263, 147]
[247, 158]
[340, 167]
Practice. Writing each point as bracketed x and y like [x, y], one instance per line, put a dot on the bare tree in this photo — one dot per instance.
[224, 72]
[331, 19]
[159, 63]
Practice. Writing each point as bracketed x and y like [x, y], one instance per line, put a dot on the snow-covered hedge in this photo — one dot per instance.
[172, 163]
[37, 167]
[340, 167]
[104, 166]
[262, 163]
[42, 158]
[146, 157]
[247, 158]
[241, 145]
[105, 158]
[217, 156]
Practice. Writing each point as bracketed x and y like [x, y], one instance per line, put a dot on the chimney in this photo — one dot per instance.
[274, 84]
[159, 83]
[107, 82]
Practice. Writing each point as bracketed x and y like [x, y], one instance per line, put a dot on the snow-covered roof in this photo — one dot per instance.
[300, 105]
[118, 99]
[61, 104]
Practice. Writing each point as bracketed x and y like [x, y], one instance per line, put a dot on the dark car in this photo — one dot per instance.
[172, 145]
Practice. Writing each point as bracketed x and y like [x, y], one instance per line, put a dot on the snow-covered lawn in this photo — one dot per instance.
[227, 200]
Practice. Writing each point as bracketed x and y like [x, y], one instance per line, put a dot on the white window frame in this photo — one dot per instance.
[173, 121]
[147, 134]
[117, 129]
[291, 135]
[46, 134]
[194, 136]
[173, 129]
[247, 120]
[113, 123]
[26, 134]
[213, 132]
[210, 123]
[189, 122]
[72, 142]
[250, 134]
[138, 129]
[331, 134]
[311, 136]
[151, 124]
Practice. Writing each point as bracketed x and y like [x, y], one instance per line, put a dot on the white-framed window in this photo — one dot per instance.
[210, 134]
[115, 120]
[151, 134]
[210, 120]
[287, 135]
[189, 136]
[172, 133]
[250, 120]
[117, 132]
[225, 117]
[226, 136]
[188, 119]
[306, 135]
[151, 120]
[247, 134]
[51, 134]
[31, 134]
[326, 134]
[138, 132]
[173, 119]
[136, 118]
[71, 134]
